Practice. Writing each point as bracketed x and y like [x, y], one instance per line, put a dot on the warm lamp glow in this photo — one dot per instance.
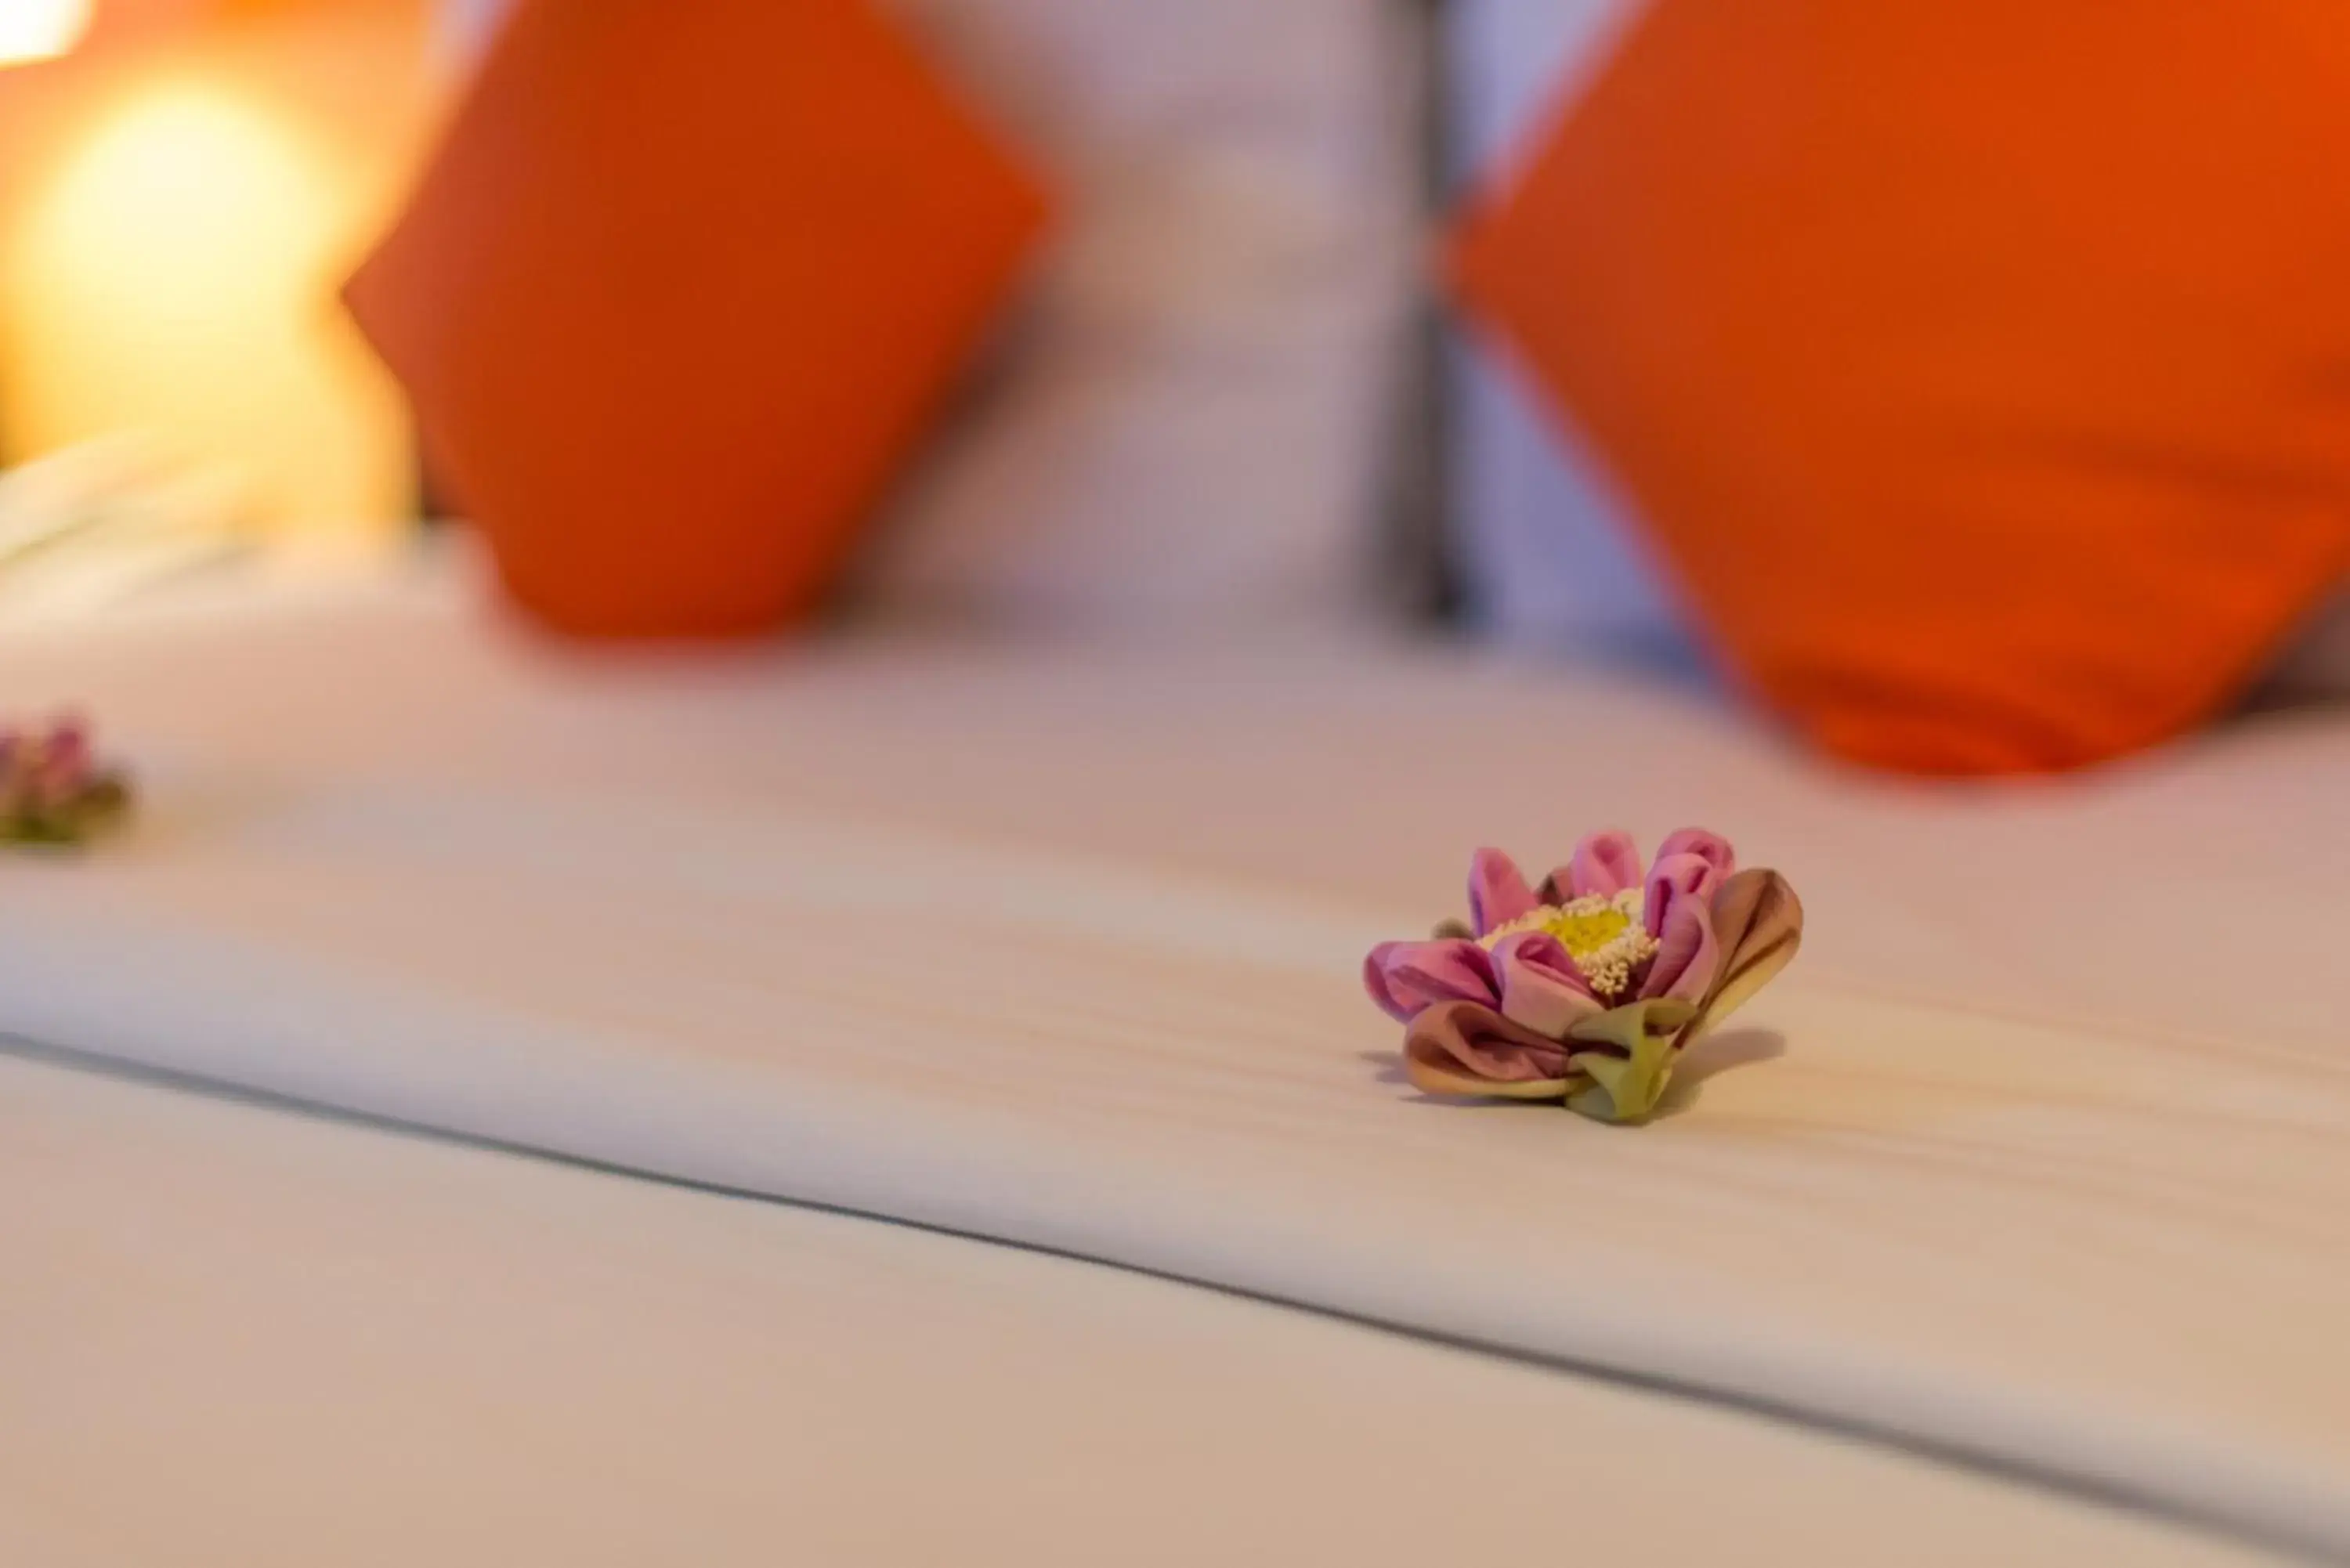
[174, 220]
[177, 253]
[40, 29]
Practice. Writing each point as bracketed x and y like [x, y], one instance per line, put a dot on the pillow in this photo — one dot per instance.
[678, 293]
[1549, 553]
[1190, 421]
[1975, 365]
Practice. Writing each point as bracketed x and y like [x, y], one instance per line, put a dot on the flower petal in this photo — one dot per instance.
[1460, 1048]
[1542, 987]
[68, 736]
[1404, 977]
[1676, 878]
[1625, 1056]
[1758, 923]
[1707, 846]
[67, 765]
[1605, 864]
[1688, 955]
[1498, 893]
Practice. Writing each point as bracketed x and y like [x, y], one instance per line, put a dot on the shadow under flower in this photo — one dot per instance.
[1712, 1056]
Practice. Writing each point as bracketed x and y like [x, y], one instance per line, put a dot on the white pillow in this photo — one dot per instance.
[1188, 421]
[1546, 547]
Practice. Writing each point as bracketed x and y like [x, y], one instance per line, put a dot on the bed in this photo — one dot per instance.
[1006, 989]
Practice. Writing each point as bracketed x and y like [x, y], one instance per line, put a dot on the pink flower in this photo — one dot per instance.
[52, 789]
[1585, 986]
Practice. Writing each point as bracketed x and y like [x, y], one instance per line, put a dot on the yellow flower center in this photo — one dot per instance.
[1605, 936]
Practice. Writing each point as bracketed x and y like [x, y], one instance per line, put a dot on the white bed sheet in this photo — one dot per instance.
[2039, 1155]
[238, 1336]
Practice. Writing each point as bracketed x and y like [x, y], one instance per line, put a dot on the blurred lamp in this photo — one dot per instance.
[180, 197]
[40, 29]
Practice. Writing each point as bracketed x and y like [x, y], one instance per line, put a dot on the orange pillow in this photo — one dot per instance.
[1982, 366]
[677, 292]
